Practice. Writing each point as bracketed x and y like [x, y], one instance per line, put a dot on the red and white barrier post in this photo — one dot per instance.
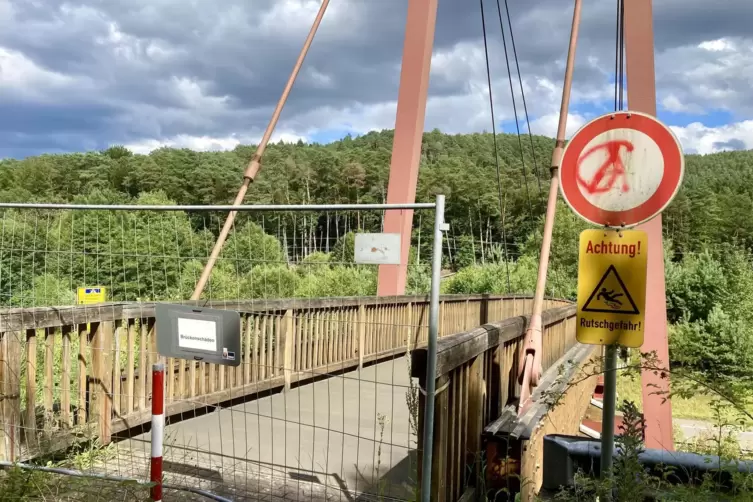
[158, 429]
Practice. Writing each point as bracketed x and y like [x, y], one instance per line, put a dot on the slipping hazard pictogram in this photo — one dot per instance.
[612, 287]
[611, 295]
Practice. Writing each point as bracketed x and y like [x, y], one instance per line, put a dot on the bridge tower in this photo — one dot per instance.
[641, 97]
[409, 129]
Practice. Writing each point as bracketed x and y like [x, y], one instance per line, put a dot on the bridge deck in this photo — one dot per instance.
[336, 439]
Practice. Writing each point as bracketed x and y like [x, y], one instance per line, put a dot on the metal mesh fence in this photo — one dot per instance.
[77, 293]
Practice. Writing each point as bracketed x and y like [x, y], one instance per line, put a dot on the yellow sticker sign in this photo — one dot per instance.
[612, 270]
[91, 295]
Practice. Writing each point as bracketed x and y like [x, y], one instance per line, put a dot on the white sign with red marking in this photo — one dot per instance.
[621, 169]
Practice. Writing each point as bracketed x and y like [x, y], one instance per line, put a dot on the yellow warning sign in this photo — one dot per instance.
[612, 287]
[90, 295]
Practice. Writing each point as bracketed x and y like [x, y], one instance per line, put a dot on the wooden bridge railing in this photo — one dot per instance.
[477, 376]
[66, 370]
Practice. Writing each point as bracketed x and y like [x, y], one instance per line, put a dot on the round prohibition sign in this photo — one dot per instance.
[621, 169]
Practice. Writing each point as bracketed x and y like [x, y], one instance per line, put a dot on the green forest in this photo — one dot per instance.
[492, 245]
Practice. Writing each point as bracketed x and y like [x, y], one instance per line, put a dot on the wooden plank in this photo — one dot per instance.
[10, 389]
[255, 371]
[180, 391]
[248, 326]
[262, 348]
[270, 346]
[278, 345]
[456, 349]
[439, 450]
[130, 366]
[144, 370]
[288, 349]
[475, 424]
[151, 358]
[106, 404]
[83, 344]
[31, 385]
[117, 376]
[361, 334]
[43, 317]
[49, 375]
[169, 380]
[297, 343]
[65, 379]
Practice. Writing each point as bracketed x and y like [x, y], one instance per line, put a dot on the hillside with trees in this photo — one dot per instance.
[45, 255]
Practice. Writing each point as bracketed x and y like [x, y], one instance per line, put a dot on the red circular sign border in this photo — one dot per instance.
[674, 167]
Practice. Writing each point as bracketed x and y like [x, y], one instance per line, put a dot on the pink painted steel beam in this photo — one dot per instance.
[409, 129]
[641, 97]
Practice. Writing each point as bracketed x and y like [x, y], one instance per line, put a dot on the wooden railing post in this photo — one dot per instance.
[361, 334]
[82, 373]
[288, 347]
[476, 398]
[49, 358]
[10, 396]
[31, 385]
[439, 461]
[65, 378]
[101, 388]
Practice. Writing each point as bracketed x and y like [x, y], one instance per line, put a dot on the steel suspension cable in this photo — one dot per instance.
[619, 51]
[515, 111]
[496, 149]
[622, 51]
[523, 97]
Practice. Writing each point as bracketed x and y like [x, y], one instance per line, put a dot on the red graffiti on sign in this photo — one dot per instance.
[610, 171]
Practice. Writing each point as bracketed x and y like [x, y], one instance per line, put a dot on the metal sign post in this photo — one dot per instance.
[618, 171]
[611, 304]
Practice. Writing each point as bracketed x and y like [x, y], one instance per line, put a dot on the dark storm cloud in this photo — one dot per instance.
[733, 144]
[153, 66]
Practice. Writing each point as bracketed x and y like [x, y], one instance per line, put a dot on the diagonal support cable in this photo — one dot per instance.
[494, 139]
[530, 369]
[255, 164]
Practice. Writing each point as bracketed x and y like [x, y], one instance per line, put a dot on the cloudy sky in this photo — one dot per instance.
[205, 74]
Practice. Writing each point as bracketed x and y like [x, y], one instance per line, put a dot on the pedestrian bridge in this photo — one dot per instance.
[326, 404]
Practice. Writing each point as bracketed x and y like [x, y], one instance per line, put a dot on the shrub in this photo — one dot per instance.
[717, 347]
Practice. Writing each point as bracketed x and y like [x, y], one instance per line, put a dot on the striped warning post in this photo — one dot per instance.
[158, 429]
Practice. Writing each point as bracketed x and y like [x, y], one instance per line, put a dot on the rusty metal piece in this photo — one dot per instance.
[530, 371]
[255, 164]
[503, 464]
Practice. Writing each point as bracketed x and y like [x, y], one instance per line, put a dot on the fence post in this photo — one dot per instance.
[10, 391]
[288, 349]
[158, 430]
[431, 361]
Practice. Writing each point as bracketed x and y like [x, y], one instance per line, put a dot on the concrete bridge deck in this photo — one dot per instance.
[347, 437]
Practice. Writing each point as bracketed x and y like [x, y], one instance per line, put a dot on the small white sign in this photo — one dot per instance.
[377, 249]
[197, 334]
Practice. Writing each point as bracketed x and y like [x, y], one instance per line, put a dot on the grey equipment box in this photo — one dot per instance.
[198, 334]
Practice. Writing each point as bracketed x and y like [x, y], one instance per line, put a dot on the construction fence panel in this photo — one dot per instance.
[322, 405]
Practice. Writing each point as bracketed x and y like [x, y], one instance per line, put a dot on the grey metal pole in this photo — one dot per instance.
[431, 364]
[608, 411]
